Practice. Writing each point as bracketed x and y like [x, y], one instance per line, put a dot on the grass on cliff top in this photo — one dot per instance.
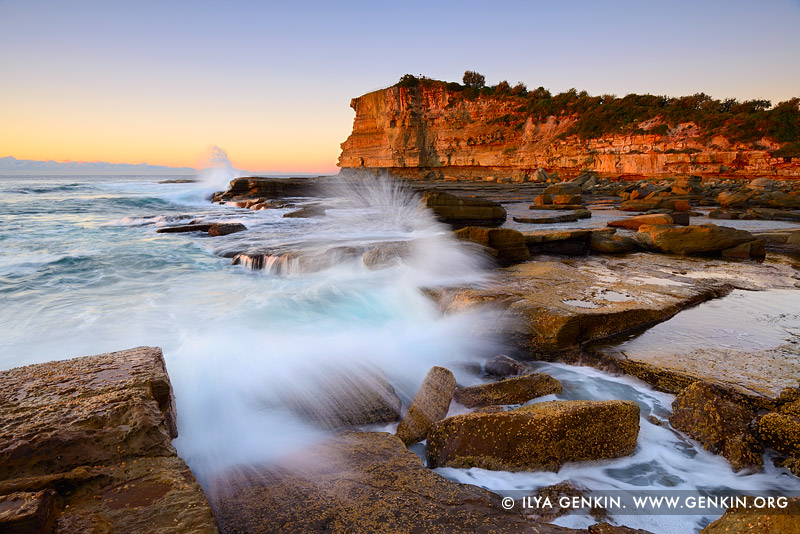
[596, 116]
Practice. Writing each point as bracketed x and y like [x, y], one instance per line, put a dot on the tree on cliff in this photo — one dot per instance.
[474, 80]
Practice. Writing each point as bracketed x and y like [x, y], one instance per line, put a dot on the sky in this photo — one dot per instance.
[271, 82]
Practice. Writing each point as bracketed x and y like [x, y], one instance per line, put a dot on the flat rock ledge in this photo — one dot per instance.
[85, 447]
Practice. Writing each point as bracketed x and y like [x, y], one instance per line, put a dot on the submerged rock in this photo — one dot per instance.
[430, 405]
[464, 211]
[540, 436]
[503, 366]
[718, 422]
[308, 212]
[516, 390]
[185, 228]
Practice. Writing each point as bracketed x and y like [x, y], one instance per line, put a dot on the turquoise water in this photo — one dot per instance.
[83, 271]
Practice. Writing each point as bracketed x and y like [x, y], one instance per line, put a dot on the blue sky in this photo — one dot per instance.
[271, 82]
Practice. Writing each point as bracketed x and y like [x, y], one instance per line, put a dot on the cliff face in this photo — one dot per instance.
[430, 131]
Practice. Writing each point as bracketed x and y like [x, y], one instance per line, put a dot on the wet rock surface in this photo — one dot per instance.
[516, 390]
[757, 521]
[506, 245]
[90, 439]
[361, 482]
[689, 240]
[542, 436]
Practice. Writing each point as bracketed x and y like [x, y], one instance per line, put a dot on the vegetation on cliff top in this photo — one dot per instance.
[595, 116]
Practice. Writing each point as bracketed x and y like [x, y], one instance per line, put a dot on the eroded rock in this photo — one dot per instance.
[464, 211]
[509, 244]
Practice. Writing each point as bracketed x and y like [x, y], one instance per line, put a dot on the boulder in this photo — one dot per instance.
[543, 200]
[260, 187]
[633, 223]
[540, 436]
[430, 405]
[564, 188]
[516, 390]
[464, 211]
[362, 483]
[509, 244]
[27, 512]
[752, 249]
[733, 199]
[611, 244]
[225, 229]
[690, 240]
[503, 366]
[718, 422]
[761, 183]
[570, 200]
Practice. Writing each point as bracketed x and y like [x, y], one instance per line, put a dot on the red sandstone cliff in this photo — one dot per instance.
[431, 131]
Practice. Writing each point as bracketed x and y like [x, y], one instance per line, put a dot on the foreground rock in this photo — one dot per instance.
[503, 366]
[430, 405]
[718, 422]
[225, 229]
[361, 483]
[540, 436]
[95, 434]
[758, 521]
[702, 239]
[516, 390]
[464, 211]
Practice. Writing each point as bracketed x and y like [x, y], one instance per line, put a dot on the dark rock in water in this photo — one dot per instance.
[268, 188]
[540, 436]
[315, 210]
[690, 240]
[553, 219]
[220, 229]
[509, 244]
[27, 512]
[464, 211]
[667, 203]
[503, 366]
[509, 391]
[87, 447]
[362, 483]
[338, 399]
[430, 405]
[185, 228]
[179, 181]
[718, 422]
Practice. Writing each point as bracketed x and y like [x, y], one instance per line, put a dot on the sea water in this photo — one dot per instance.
[83, 271]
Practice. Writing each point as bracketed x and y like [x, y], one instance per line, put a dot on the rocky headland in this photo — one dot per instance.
[423, 128]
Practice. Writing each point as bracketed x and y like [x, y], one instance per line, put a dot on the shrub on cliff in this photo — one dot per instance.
[408, 80]
[474, 80]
